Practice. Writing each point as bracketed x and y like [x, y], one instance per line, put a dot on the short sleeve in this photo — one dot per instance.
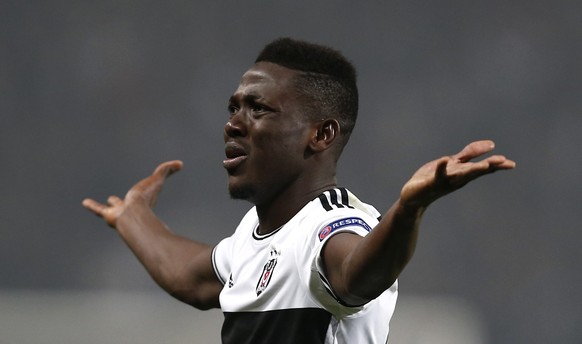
[221, 259]
[224, 253]
[341, 221]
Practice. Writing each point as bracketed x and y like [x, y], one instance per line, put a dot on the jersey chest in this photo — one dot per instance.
[267, 274]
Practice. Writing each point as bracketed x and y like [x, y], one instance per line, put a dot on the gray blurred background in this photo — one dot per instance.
[93, 95]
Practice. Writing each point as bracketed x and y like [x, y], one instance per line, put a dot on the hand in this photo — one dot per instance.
[447, 174]
[144, 193]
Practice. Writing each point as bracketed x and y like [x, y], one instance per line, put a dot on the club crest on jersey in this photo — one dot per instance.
[345, 222]
[267, 271]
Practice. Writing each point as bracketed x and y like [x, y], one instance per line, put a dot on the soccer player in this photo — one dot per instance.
[310, 262]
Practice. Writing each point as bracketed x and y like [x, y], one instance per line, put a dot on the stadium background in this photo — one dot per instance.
[93, 95]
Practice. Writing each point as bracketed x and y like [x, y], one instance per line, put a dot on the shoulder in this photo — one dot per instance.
[337, 198]
[337, 209]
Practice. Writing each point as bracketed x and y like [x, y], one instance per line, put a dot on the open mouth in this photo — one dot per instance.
[235, 155]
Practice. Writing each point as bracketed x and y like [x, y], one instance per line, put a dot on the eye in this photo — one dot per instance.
[257, 107]
[232, 109]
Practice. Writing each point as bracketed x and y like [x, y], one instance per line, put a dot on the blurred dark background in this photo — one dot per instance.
[93, 95]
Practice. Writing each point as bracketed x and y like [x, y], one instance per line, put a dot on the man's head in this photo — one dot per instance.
[326, 81]
[290, 118]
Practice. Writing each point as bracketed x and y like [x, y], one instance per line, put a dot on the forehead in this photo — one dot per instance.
[267, 77]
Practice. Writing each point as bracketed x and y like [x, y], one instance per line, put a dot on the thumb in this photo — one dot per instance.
[168, 168]
[474, 149]
[161, 173]
[148, 189]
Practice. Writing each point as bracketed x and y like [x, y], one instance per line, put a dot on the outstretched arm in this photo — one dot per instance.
[180, 266]
[360, 269]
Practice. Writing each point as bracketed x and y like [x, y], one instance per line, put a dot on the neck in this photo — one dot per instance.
[279, 210]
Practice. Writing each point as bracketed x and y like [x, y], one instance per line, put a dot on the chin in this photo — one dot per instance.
[240, 192]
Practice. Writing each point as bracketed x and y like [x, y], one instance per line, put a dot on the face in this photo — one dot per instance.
[266, 136]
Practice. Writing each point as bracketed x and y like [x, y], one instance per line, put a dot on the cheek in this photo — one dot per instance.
[286, 139]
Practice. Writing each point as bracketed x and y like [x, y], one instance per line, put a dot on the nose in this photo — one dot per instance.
[235, 126]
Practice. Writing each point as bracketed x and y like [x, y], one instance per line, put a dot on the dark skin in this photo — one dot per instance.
[285, 160]
[279, 160]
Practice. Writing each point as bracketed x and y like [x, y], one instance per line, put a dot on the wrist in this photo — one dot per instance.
[132, 216]
[410, 209]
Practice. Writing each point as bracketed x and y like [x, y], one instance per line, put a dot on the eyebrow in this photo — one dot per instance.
[249, 98]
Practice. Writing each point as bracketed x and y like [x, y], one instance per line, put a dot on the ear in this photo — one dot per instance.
[325, 134]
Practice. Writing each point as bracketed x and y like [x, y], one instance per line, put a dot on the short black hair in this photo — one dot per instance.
[326, 79]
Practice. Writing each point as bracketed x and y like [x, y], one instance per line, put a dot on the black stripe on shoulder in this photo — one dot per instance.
[324, 202]
[345, 198]
[334, 201]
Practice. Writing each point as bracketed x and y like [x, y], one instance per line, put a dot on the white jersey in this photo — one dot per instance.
[275, 290]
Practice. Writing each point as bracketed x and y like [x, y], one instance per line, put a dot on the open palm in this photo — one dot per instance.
[447, 174]
[144, 193]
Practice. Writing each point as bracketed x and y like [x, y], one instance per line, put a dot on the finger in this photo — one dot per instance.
[168, 168]
[486, 166]
[148, 188]
[94, 206]
[114, 200]
[474, 149]
[500, 162]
